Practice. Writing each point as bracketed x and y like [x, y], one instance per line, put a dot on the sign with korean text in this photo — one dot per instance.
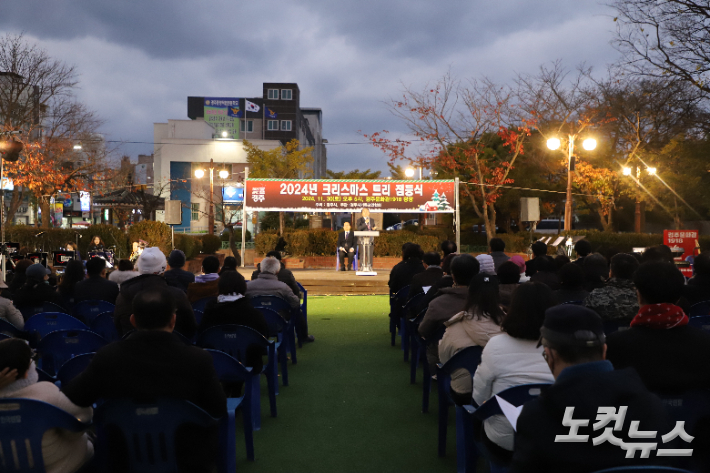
[222, 113]
[319, 195]
[685, 240]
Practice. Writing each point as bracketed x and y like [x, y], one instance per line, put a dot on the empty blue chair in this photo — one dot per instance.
[88, 310]
[150, 430]
[234, 340]
[279, 329]
[469, 358]
[52, 307]
[56, 348]
[283, 308]
[202, 303]
[404, 332]
[72, 367]
[700, 321]
[8, 329]
[397, 301]
[104, 325]
[24, 422]
[38, 326]
[229, 370]
[699, 309]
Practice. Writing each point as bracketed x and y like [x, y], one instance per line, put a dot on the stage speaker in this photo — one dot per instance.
[173, 212]
[529, 209]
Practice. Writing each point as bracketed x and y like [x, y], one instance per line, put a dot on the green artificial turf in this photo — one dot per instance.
[349, 406]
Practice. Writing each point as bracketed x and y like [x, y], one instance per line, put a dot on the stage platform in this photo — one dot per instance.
[330, 282]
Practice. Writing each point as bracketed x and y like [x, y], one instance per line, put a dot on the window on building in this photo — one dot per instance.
[285, 94]
[272, 125]
[249, 127]
[285, 125]
[195, 211]
[273, 94]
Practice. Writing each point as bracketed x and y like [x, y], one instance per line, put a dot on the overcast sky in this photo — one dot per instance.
[140, 59]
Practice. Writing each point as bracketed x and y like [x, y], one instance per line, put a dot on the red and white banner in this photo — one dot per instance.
[318, 195]
[686, 240]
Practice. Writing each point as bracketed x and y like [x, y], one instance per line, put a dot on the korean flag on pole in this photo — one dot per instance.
[251, 106]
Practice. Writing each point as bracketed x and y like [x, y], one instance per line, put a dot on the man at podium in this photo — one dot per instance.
[365, 223]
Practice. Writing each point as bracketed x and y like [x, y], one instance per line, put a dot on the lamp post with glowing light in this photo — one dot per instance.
[640, 211]
[554, 143]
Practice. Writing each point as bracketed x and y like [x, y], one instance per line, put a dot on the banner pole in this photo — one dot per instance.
[244, 214]
[457, 218]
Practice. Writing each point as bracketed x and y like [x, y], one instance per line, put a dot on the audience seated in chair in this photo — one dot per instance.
[596, 271]
[539, 249]
[583, 248]
[486, 264]
[508, 281]
[18, 275]
[62, 451]
[96, 286]
[474, 326]
[123, 272]
[74, 272]
[427, 278]
[617, 300]
[546, 272]
[231, 307]
[205, 284]
[698, 288]
[669, 355]
[497, 252]
[411, 264]
[36, 289]
[285, 275]
[8, 311]
[151, 363]
[230, 264]
[176, 276]
[574, 348]
[513, 358]
[571, 285]
[151, 265]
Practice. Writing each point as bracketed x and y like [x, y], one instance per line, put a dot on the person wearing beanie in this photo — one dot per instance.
[487, 264]
[36, 289]
[176, 276]
[575, 350]
[520, 262]
[151, 265]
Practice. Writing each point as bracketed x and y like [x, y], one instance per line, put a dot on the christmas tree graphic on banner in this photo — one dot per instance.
[443, 203]
[437, 202]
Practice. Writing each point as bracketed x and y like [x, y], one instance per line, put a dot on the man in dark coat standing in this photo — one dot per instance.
[346, 246]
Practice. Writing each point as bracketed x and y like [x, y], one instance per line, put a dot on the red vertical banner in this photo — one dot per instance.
[685, 241]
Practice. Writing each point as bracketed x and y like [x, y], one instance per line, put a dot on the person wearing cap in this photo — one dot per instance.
[520, 263]
[8, 311]
[96, 286]
[151, 265]
[574, 347]
[176, 276]
[474, 326]
[36, 289]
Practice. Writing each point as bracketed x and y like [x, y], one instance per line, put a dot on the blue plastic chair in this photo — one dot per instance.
[517, 396]
[229, 370]
[38, 326]
[150, 432]
[405, 334]
[56, 348]
[104, 325]
[355, 258]
[88, 310]
[73, 367]
[279, 329]
[397, 301]
[30, 311]
[419, 351]
[469, 358]
[198, 316]
[699, 309]
[24, 422]
[52, 307]
[4, 337]
[183, 338]
[283, 308]
[304, 304]
[8, 329]
[234, 340]
[700, 321]
[202, 303]
[611, 326]
[643, 469]
[688, 407]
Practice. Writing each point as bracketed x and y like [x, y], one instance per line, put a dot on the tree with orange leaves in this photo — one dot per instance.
[467, 130]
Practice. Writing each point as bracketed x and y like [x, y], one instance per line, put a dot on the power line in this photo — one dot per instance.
[534, 190]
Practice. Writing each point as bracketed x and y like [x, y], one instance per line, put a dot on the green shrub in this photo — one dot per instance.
[155, 233]
[390, 243]
[265, 242]
[50, 240]
[189, 244]
[237, 236]
[297, 242]
[211, 243]
[322, 242]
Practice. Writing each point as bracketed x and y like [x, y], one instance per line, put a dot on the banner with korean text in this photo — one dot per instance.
[321, 195]
[222, 113]
[684, 245]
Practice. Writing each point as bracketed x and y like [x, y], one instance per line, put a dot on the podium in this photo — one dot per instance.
[365, 241]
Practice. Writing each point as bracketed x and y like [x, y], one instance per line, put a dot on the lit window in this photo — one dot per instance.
[272, 125]
[285, 94]
[285, 125]
[195, 211]
[250, 126]
[273, 94]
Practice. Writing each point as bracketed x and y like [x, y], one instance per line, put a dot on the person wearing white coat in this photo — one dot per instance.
[513, 358]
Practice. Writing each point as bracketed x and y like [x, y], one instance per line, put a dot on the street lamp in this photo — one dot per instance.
[199, 173]
[640, 210]
[224, 174]
[409, 172]
[554, 143]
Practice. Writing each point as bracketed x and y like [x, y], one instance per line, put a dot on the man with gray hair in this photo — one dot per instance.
[268, 284]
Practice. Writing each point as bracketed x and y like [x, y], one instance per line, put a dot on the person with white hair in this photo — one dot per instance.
[151, 265]
[487, 263]
[268, 284]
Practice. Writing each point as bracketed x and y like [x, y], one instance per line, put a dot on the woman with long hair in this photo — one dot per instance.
[474, 326]
[70, 246]
[73, 273]
[97, 244]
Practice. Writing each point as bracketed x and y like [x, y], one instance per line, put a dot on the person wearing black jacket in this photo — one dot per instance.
[538, 249]
[153, 363]
[698, 287]
[411, 264]
[176, 276]
[96, 286]
[36, 289]
[346, 246]
[574, 347]
[427, 278]
[231, 307]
